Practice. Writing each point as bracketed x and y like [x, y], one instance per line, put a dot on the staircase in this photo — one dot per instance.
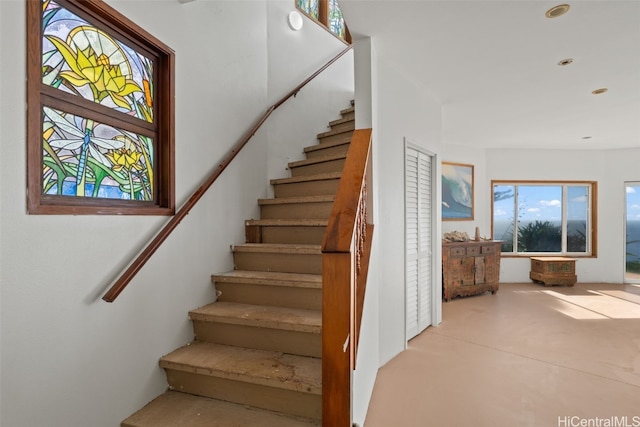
[255, 360]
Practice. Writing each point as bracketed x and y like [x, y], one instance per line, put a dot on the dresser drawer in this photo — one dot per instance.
[489, 249]
[473, 250]
[458, 251]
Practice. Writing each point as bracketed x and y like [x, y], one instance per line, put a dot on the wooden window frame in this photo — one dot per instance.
[593, 217]
[106, 18]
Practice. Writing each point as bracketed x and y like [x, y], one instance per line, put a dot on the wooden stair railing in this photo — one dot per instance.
[127, 275]
[345, 261]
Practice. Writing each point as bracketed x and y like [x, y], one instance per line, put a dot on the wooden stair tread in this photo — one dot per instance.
[282, 248]
[348, 110]
[261, 316]
[288, 222]
[334, 132]
[345, 141]
[292, 200]
[272, 278]
[173, 409]
[307, 178]
[268, 368]
[340, 121]
[319, 159]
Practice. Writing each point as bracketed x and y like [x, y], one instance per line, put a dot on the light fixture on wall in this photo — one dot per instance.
[295, 20]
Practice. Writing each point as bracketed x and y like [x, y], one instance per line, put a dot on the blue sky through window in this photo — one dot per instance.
[633, 202]
[535, 202]
[542, 202]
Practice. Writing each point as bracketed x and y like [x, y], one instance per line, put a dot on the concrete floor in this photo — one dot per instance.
[528, 356]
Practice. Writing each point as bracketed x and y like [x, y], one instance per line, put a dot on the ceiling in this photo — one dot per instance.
[494, 67]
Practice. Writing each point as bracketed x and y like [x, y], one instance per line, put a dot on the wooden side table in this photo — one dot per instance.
[553, 271]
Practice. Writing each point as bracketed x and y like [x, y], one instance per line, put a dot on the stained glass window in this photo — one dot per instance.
[100, 129]
[82, 157]
[310, 7]
[327, 13]
[83, 60]
[336, 21]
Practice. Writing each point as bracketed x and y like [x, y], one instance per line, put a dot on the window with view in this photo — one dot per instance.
[100, 112]
[547, 218]
[632, 232]
[328, 14]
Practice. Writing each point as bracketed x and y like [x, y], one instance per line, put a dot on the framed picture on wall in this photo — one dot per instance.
[457, 192]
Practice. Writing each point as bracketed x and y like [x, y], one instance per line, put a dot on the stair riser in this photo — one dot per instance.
[292, 342]
[307, 188]
[271, 398]
[351, 115]
[316, 168]
[329, 151]
[344, 126]
[278, 296]
[287, 234]
[316, 210]
[339, 138]
[285, 263]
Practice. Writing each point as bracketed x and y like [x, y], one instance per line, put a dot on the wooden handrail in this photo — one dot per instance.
[342, 221]
[346, 248]
[162, 235]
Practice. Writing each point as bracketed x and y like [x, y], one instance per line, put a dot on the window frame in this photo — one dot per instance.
[323, 20]
[39, 95]
[592, 218]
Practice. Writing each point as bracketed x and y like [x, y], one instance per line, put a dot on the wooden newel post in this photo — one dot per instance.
[336, 339]
[345, 257]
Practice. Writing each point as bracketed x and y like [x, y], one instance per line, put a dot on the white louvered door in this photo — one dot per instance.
[418, 240]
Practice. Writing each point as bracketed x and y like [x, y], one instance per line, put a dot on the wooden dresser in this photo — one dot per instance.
[470, 268]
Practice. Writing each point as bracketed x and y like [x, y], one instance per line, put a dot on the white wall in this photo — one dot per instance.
[3, 105]
[405, 110]
[68, 358]
[397, 109]
[609, 168]
[289, 65]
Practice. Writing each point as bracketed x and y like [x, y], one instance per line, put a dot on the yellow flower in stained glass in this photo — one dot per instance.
[97, 60]
[124, 158]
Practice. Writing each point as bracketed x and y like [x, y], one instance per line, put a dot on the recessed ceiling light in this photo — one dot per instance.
[599, 91]
[558, 10]
[565, 62]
